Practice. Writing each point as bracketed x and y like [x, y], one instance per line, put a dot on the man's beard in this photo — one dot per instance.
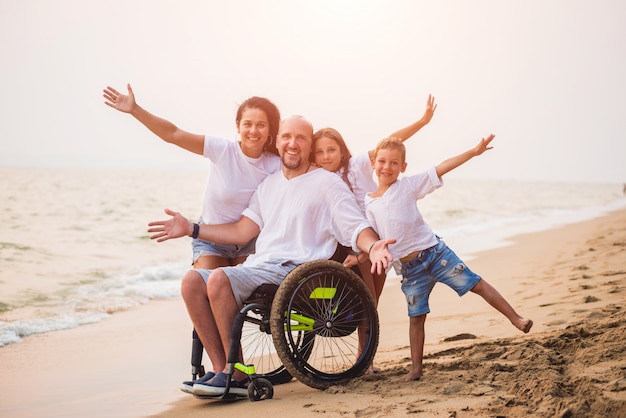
[292, 164]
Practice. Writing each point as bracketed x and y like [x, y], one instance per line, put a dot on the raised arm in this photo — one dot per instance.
[240, 232]
[162, 128]
[452, 163]
[410, 130]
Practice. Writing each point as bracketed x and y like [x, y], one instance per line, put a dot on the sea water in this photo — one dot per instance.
[74, 246]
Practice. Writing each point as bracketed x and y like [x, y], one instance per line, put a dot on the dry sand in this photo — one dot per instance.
[571, 281]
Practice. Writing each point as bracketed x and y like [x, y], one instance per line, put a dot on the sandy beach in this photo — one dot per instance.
[570, 280]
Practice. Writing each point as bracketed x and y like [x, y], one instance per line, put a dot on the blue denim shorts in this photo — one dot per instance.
[435, 264]
[201, 248]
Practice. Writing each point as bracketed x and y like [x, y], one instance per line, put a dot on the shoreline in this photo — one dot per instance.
[130, 364]
[76, 283]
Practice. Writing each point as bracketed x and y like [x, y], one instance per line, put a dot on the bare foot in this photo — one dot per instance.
[372, 369]
[526, 325]
[411, 376]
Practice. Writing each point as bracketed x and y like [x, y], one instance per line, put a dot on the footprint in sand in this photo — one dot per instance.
[459, 337]
[615, 289]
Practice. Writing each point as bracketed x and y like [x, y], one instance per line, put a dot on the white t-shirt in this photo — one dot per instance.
[302, 219]
[361, 177]
[233, 178]
[395, 214]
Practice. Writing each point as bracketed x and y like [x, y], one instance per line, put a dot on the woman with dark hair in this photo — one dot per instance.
[236, 168]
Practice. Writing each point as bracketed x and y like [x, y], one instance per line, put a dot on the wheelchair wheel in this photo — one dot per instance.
[331, 302]
[260, 389]
[258, 348]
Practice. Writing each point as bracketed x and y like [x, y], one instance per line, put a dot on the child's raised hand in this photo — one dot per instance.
[430, 109]
[483, 145]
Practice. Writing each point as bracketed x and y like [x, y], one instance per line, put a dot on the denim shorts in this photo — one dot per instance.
[435, 264]
[245, 279]
[201, 248]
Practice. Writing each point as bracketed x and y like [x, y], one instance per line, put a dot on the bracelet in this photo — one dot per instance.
[370, 249]
[196, 231]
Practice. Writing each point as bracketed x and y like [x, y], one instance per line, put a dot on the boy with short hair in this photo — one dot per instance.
[424, 257]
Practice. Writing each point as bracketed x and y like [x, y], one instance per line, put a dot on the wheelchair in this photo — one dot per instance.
[319, 326]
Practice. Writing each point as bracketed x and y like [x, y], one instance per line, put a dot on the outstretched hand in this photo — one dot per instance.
[380, 255]
[483, 145]
[175, 227]
[430, 109]
[116, 100]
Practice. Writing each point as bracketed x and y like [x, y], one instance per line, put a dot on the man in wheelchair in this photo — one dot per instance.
[299, 214]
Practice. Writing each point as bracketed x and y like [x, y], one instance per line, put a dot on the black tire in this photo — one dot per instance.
[260, 389]
[340, 309]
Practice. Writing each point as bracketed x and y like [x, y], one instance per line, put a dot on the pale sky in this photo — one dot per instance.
[548, 78]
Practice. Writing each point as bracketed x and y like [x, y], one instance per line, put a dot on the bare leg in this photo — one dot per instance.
[374, 281]
[237, 260]
[368, 278]
[195, 295]
[197, 311]
[211, 262]
[491, 295]
[416, 338]
[379, 283]
[226, 308]
[374, 284]
[193, 291]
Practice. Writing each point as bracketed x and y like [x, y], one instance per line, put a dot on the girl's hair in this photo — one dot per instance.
[391, 144]
[343, 149]
[273, 118]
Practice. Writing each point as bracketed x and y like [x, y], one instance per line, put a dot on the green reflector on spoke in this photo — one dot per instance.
[323, 293]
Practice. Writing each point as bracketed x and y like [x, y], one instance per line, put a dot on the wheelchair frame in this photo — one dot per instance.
[322, 321]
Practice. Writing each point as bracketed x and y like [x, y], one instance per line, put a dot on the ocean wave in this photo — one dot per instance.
[13, 332]
[94, 301]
